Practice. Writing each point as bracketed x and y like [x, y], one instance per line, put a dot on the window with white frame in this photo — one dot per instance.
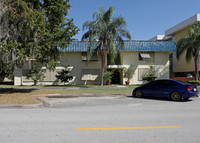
[146, 56]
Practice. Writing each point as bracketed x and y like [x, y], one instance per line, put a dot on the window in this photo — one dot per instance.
[90, 74]
[93, 58]
[146, 56]
[154, 83]
[162, 83]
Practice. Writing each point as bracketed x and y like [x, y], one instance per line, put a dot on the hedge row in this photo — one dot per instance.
[194, 82]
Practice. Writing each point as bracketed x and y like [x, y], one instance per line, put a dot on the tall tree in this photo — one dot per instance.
[107, 30]
[191, 45]
[36, 29]
[6, 32]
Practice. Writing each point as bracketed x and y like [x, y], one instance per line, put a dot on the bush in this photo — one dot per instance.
[149, 77]
[129, 73]
[193, 82]
[36, 73]
[108, 76]
[64, 76]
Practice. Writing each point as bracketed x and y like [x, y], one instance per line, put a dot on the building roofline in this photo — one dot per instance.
[160, 38]
[184, 24]
[130, 45]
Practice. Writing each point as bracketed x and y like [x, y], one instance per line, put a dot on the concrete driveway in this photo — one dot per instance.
[113, 100]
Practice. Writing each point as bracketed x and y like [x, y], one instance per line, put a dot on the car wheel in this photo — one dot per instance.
[176, 96]
[138, 93]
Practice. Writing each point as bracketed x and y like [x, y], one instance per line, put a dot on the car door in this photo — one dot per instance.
[159, 88]
[165, 88]
[151, 89]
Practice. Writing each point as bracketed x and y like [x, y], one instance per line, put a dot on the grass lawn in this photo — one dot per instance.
[13, 96]
[21, 94]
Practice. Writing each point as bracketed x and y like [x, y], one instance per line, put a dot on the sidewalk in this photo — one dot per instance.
[75, 88]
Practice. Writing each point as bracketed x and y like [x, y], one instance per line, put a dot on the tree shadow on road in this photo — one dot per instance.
[15, 90]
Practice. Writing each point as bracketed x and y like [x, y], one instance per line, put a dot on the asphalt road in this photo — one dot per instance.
[61, 122]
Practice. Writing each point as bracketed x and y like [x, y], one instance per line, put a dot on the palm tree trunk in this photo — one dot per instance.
[102, 69]
[103, 60]
[196, 64]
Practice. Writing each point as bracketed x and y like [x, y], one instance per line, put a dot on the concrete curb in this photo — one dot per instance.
[78, 95]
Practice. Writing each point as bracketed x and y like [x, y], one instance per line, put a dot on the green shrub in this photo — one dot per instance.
[149, 77]
[129, 73]
[193, 82]
[108, 76]
[36, 73]
[64, 76]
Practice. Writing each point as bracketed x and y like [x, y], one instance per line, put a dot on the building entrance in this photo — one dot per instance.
[116, 79]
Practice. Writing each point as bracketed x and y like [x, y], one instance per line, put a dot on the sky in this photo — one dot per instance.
[145, 18]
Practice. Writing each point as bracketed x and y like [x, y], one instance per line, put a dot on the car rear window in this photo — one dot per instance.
[162, 83]
[182, 82]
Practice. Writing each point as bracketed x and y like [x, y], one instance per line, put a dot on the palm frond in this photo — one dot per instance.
[101, 10]
[107, 16]
[119, 57]
[114, 31]
[119, 22]
[86, 25]
[198, 39]
[86, 35]
[97, 16]
[182, 45]
[112, 52]
[120, 44]
[90, 50]
[125, 33]
[194, 30]
[189, 54]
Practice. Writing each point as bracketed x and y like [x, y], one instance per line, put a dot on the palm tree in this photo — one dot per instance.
[191, 46]
[108, 31]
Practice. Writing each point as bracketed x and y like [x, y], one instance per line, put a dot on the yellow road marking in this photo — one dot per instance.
[129, 128]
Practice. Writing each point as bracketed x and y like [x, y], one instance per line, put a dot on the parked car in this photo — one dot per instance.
[167, 88]
[189, 75]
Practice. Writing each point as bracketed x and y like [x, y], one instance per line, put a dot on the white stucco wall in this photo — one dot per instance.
[160, 62]
[18, 77]
[72, 59]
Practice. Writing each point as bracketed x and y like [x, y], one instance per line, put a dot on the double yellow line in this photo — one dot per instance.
[129, 128]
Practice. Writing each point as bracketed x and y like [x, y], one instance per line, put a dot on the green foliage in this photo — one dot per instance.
[152, 76]
[64, 76]
[128, 73]
[149, 77]
[106, 29]
[108, 76]
[36, 73]
[194, 82]
[36, 29]
[191, 46]
[6, 70]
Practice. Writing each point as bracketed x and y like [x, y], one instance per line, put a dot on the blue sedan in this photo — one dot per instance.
[167, 88]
